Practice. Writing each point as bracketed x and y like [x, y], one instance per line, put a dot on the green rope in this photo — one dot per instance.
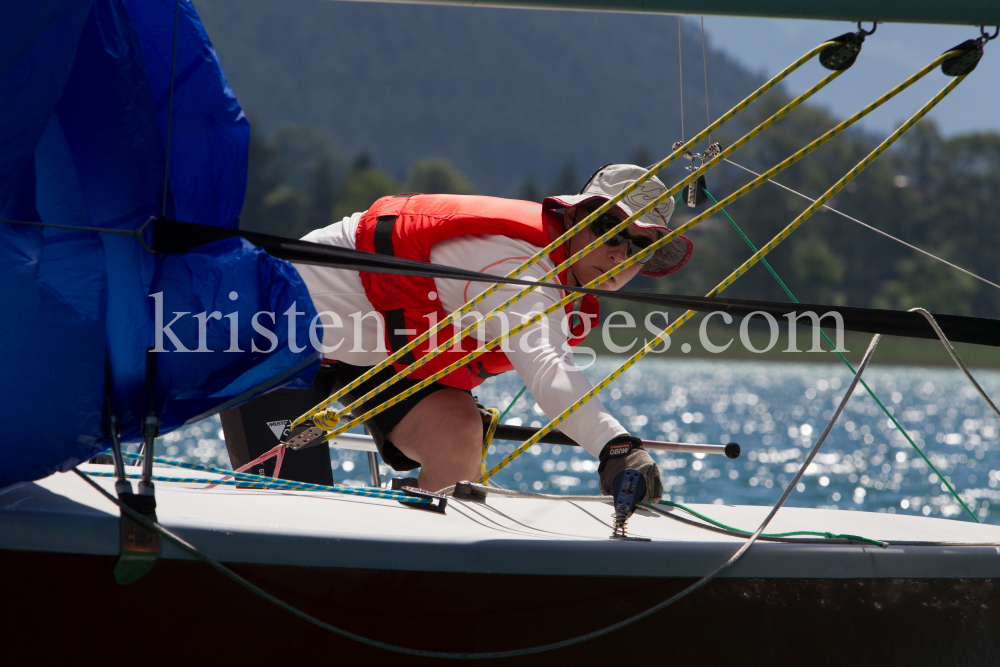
[507, 409]
[844, 359]
[747, 533]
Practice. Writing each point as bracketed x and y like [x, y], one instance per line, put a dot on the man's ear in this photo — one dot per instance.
[569, 215]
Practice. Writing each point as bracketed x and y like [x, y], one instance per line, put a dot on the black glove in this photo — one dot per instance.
[623, 452]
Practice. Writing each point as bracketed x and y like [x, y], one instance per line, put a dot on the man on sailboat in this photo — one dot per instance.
[366, 315]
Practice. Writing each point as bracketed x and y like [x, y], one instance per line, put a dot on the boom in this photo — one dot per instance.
[958, 12]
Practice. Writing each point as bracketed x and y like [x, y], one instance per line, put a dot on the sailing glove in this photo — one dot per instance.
[623, 452]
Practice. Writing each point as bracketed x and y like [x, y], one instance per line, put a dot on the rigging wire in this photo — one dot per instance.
[958, 360]
[680, 72]
[927, 315]
[874, 229]
[704, 65]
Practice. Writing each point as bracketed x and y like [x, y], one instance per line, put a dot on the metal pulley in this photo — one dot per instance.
[842, 55]
[972, 53]
[305, 435]
[694, 193]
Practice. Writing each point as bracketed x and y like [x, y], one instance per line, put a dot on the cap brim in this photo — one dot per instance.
[666, 260]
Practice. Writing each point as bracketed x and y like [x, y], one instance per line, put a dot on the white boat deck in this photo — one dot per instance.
[503, 536]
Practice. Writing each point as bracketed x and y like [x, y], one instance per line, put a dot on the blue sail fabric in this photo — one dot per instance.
[85, 113]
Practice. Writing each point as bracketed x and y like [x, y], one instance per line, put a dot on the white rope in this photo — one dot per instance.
[954, 355]
[874, 229]
[593, 498]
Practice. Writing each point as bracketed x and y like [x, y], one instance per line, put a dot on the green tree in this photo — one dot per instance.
[641, 157]
[567, 182]
[817, 270]
[437, 176]
[262, 178]
[528, 190]
[363, 186]
[928, 284]
[286, 211]
[293, 181]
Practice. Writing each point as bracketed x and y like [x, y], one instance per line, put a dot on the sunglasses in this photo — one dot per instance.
[606, 223]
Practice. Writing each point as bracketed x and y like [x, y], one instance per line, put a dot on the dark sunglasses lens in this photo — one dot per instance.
[603, 225]
[634, 247]
[606, 223]
[634, 250]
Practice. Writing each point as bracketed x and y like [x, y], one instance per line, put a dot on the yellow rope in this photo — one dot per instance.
[329, 419]
[488, 440]
[734, 275]
[565, 237]
[815, 144]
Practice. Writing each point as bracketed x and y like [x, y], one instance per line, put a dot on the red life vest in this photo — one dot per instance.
[408, 226]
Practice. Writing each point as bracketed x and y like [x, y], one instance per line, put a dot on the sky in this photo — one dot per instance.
[888, 57]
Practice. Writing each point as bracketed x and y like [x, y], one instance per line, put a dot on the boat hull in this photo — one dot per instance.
[192, 611]
[507, 574]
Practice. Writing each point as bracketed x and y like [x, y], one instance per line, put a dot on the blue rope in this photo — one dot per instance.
[281, 485]
[262, 482]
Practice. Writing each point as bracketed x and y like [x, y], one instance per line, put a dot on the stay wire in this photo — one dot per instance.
[170, 111]
[867, 226]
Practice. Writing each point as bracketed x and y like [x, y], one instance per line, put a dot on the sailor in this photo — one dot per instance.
[366, 315]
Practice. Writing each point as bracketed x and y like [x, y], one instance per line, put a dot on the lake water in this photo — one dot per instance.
[775, 411]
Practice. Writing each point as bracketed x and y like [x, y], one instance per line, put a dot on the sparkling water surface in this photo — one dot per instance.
[775, 411]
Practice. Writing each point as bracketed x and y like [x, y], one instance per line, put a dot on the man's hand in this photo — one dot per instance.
[623, 452]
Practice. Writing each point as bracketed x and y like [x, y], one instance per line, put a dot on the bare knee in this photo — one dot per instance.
[443, 433]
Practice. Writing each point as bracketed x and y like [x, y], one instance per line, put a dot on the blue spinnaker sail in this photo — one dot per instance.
[85, 113]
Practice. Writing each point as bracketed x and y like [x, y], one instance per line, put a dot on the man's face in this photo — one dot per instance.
[603, 258]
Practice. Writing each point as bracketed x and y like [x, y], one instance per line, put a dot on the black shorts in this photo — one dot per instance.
[383, 423]
[255, 427]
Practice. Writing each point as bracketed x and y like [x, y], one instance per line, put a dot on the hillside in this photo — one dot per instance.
[503, 94]
[352, 101]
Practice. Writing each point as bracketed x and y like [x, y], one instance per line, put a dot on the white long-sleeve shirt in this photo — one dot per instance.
[541, 356]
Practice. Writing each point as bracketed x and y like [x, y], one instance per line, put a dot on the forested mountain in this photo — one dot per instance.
[352, 101]
[504, 94]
